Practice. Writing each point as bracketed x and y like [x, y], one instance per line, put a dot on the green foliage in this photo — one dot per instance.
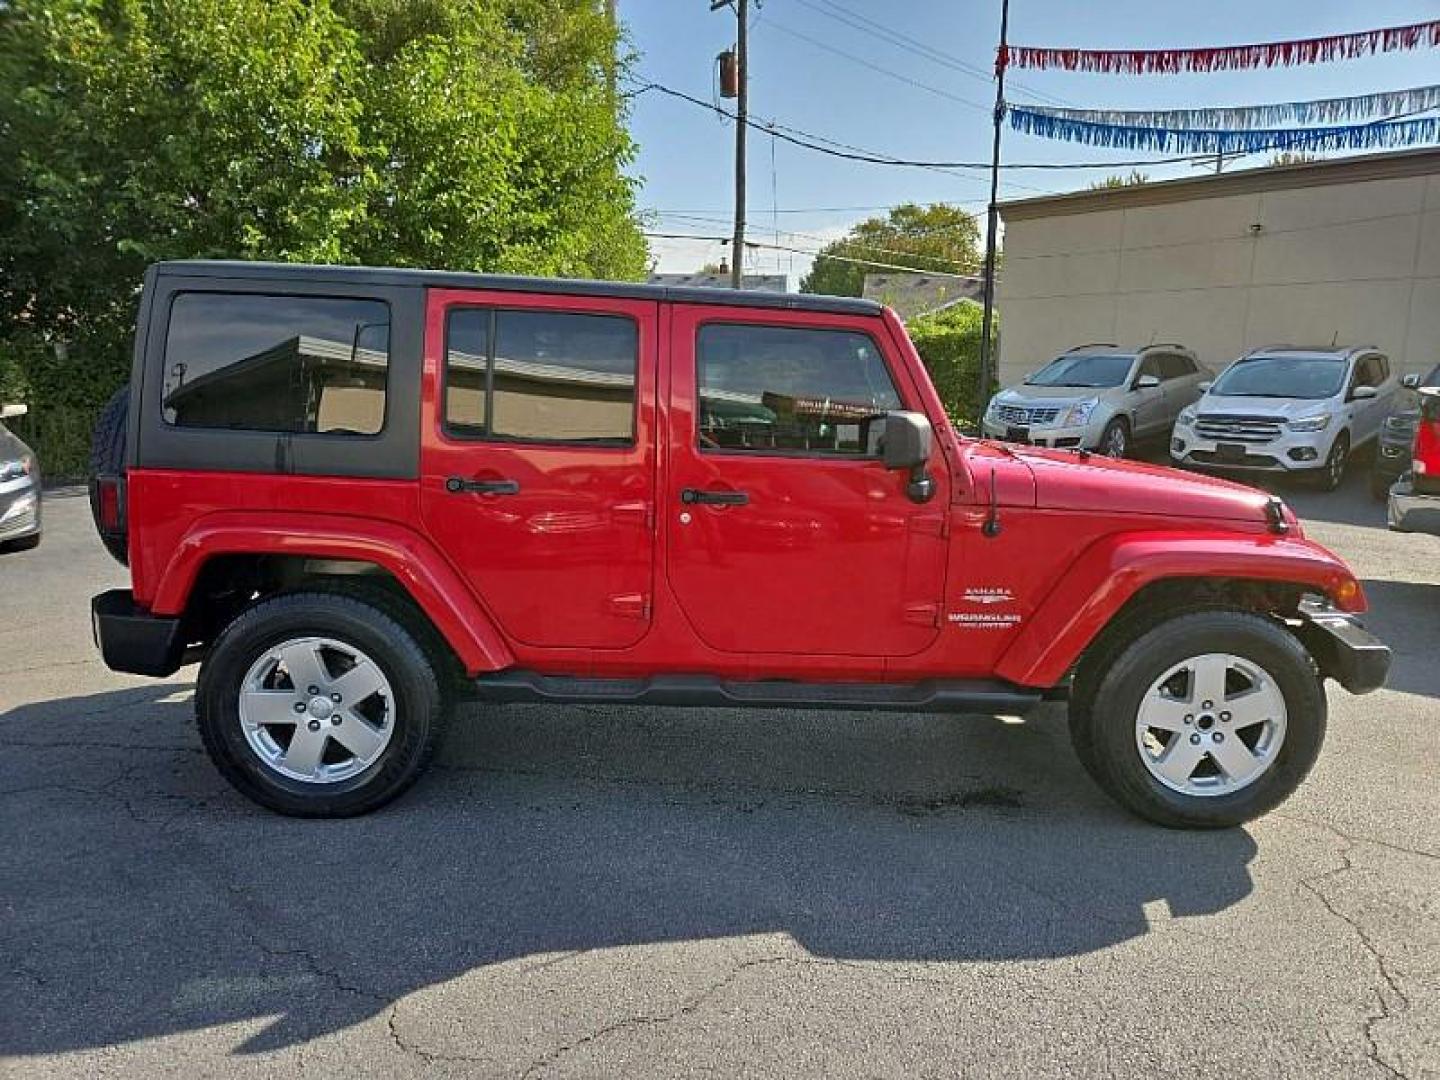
[939, 237]
[459, 134]
[1116, 180]
[1291, 157]
[948, 342]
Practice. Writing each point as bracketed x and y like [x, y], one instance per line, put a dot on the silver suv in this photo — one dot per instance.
[1098, 397]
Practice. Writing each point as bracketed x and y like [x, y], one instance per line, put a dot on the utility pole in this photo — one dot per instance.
[1002, 61]
[742, 122]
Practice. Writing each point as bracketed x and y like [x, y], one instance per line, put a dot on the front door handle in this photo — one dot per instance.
[714, 498]
[458, 485]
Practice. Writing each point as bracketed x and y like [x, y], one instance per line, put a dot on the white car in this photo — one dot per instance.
[1285, 409]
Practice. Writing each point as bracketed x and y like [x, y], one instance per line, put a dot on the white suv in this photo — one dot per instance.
[1288, 409]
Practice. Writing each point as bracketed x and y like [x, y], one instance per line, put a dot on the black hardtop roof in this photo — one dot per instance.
[625, 290]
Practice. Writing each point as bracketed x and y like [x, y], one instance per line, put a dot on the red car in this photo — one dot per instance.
[355, 495]
[1415, 499]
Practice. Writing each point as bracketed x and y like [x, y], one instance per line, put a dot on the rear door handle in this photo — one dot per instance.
[714, 498]
[458, 485]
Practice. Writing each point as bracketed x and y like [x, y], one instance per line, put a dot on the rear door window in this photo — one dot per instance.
[774, 389]
[1174, 366]
[289, 364]
[541, 376]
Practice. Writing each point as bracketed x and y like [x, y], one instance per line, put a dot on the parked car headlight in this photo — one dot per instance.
[1187, 416]
[1078, 415]
[13, 470]
[1400, 425]
[992, 411]
[1318, 422]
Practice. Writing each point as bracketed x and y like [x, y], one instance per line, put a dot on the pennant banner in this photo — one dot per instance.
[1226, 57]
[1201, 141]
[1340, 110]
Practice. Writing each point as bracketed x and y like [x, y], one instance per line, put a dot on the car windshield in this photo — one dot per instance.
[1432, 379]
[1085, 370]
[1306, 377]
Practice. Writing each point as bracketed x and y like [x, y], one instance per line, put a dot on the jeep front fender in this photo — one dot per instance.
[430, 581]
[1099, 583]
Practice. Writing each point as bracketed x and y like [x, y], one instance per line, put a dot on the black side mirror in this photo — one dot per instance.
[908, 438]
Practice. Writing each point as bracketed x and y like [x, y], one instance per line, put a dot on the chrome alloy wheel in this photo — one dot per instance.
[1117, 445]
[316, 710]
[1211, 725]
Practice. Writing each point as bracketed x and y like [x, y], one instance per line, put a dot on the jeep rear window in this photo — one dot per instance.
[769, 389]
[541, 376]
[298, 364]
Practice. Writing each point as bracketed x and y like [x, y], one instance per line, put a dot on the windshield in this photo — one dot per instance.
[1306, 377]
[1092, 371]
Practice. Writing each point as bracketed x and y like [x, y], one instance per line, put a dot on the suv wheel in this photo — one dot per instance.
[1332, 475]
[1115, 439]
[1206, 720]
[320, 705]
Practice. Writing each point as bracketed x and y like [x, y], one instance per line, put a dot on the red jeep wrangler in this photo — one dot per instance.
[355, 494]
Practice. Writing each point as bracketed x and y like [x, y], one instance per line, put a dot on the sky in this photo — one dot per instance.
[813, 68]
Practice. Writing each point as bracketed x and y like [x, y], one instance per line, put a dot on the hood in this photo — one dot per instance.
[1282, 408]
[1091, 482]
[1051, 395]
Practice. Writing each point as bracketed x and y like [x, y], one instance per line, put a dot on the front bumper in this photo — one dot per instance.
[132, 640]
[1073, 438]
[1410, 511]
[1345, 651]
[19, 509]
[1289, 452]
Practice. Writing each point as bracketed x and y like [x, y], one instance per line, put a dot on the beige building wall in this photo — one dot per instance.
[1346, 250]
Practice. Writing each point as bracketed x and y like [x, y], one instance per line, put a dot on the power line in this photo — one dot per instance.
[854, 245]
[812, 254]
[876, 67]
[813, 142]
[866, 25]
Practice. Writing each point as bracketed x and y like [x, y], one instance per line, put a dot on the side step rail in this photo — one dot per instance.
[984, 696]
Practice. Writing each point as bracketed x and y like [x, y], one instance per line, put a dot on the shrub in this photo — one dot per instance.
[948, 342]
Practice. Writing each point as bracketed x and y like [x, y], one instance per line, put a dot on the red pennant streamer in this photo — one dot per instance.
[1228, 57]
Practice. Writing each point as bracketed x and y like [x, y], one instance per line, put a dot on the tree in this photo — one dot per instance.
[939, 237]
[948, 342]
[1115, 180]
[460, 134]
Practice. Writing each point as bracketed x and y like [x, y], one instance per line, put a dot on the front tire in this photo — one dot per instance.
[1115, 439]
[1332, 474]
[316, 704]
[1206, 720]
[1380, 486]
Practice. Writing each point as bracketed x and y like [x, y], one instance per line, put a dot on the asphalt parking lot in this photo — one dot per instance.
[606, 892]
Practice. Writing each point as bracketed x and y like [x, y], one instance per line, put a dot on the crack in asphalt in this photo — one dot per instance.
[1384, 1013]
[1354, 840]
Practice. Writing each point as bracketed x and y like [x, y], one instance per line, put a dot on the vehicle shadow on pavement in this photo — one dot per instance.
[144, 898]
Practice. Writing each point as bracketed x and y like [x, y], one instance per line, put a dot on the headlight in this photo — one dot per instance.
[993, 409]
[1187, 416]
[13, 470]
[1400, 425]
[1318, 422]
[1078, 415]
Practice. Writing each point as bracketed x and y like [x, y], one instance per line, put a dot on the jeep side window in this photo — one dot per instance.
[296, 364]
[541, 376]
[768, 389]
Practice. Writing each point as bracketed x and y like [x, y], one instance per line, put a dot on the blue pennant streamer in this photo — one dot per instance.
[1199, 141]
[1386, 105]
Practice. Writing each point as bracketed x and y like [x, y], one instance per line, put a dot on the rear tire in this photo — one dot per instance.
[251, 712]
[1111, 710]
